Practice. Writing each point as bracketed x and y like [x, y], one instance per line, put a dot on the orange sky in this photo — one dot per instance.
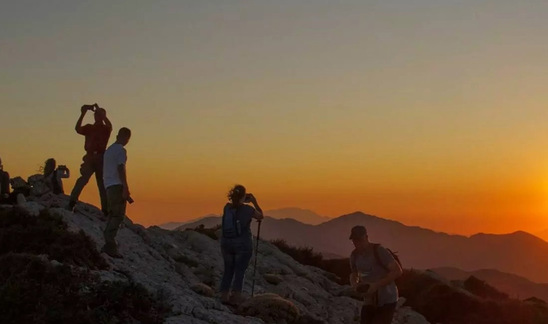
[425, 112]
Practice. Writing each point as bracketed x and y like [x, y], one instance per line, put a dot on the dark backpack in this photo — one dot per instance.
[231, 223]
[378, 258]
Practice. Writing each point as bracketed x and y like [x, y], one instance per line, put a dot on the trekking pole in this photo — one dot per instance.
[255, 263]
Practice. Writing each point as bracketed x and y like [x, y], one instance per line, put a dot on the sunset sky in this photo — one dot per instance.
[433, 113]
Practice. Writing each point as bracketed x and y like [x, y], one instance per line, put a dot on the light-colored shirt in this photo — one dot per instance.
[369, 270]
[115, 156]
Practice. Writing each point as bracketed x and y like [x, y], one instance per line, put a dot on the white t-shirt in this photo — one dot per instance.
[114, 156]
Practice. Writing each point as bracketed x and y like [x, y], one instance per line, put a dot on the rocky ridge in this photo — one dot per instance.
[186, 266]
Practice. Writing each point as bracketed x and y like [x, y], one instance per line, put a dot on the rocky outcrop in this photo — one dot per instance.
[186, 266]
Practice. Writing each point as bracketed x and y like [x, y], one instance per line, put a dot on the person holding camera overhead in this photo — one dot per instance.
[236, 241]
[97, 136]
[54, 176]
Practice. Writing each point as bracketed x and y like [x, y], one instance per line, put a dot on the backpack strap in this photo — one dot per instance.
[377, 256]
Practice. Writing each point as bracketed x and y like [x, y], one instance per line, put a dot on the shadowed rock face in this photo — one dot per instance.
[186, 266]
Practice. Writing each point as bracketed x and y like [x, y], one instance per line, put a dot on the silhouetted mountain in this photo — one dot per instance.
[515, 286]
[173, 225]
[305, 216]
[518, 253]
[543, 235]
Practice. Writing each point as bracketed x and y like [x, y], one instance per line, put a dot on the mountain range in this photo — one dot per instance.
[515, 286]
[517, 253]
[305, 216]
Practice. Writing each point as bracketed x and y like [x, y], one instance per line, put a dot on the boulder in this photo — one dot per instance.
[271, 308]
[203, 289]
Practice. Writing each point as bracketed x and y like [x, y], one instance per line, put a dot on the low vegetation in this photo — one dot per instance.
[46, 276]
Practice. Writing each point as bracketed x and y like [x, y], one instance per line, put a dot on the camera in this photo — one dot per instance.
[247, 198]
[62, 167]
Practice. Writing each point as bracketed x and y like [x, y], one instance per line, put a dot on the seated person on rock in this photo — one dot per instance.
[7, 197]
[54, 176]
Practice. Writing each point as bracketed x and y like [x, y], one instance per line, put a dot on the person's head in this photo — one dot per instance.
[123, 136]
[99, 115]
[236, 195]
[49, 167]
[358, 235]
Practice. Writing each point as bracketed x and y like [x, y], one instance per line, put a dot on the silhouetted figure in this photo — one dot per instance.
[4, 184]
[54, 176]
[373, 272]
[236, 241]
[97, 136]
[115, 179]
[7, 197]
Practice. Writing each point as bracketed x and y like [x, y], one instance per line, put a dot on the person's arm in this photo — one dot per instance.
[123, 177]
[78, 128]
[107, 121]
[258, 211]
[394, 272]
[353, 272]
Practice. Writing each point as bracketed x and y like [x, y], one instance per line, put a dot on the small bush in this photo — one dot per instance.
[210, 232]
[46, 234]
[34, 291]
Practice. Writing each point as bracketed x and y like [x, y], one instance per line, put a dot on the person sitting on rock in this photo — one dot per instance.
[236, 241]
[54, 176]
[7, 197]
[373, 273]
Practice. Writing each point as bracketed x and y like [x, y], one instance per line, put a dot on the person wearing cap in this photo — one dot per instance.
[374, 280]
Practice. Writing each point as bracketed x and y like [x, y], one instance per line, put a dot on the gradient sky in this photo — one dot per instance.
[428, 112]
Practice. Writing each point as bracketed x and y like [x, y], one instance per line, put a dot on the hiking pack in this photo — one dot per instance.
[378, 258]
[231, 223]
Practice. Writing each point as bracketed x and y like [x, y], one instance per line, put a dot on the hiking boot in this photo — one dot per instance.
[236, 299]
[71, 206]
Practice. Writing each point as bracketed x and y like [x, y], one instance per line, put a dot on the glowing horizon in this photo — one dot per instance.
[427, 113]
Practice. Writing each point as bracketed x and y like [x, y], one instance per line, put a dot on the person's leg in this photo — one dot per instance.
[86, 171]
[243, 255]
[228, 274]
[367, 314]
[100, 185]
[116, 213]
[384, 314]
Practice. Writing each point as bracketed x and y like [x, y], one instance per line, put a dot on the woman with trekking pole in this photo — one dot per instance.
[237, 242]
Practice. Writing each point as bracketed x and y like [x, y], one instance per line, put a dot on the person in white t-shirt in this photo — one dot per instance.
[115, 180]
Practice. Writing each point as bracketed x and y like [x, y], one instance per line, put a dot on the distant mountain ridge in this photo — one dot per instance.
[305, 216]
[515, 286]
[543, 235]
[517, 253]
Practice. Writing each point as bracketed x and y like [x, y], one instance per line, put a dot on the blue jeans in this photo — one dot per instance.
[236, 254]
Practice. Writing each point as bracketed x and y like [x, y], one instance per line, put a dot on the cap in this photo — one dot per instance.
[357, 232]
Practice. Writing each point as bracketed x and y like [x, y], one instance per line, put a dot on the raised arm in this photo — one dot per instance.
[107, 121]
[78, 128]
[258, 211]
